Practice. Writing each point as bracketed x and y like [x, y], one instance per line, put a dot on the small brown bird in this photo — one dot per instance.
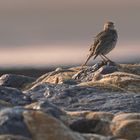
[104, 42]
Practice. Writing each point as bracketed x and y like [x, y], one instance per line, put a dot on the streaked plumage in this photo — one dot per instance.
[104, 42]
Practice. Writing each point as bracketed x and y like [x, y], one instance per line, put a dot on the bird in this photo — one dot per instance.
[104, 42]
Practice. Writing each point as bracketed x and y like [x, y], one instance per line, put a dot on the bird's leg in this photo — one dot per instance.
[104, 60]
[107, 58]
[109, 62]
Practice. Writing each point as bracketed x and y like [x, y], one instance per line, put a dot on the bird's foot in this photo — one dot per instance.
[110, 63]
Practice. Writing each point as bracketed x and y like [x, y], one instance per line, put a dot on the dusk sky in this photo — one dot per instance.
[49, 32]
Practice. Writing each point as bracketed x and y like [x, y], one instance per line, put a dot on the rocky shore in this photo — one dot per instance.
[100, 102]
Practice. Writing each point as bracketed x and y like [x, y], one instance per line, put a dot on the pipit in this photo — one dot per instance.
[104, 42]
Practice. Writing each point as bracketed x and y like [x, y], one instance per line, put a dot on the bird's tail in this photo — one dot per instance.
[95, 56]
[89, 56]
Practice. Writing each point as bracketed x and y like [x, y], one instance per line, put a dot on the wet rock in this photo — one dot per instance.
[13, 137]
[12, 122]
[15, 81]
[13, 96]
[45, 127]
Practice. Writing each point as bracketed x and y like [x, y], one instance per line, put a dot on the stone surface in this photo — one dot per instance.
[96, 137]
[106, 116]
[100, 103]
[48, 108]
[94, 125]
[45, 127]
[87, 73]
[11, 122]
[126, 116]
[16, 81]
[55, 77]
[13, 137]
[44, 90]
[130, 68]
[124, 123]
[13, 96]
[107, 69]
[4, 104]
[121, 80]
[78, 98]
[128, 129]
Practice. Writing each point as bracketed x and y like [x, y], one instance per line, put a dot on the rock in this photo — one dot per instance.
[39, 91]
[104, 107]
[78, 113]
[120, 80]
[126, 116]
[13, 137]
[55, 77]
[107, 69]
[124, 123]
[11, 122]
[45, 127]
[69, 82]
[15, 81]
[96, 137]
[87, 73]
[27, 124]
[4, 104]
[48, 108]
[99, 137]
[13, 96]
[93, 125]
[84, 126]
[130, 68]
[44, 90]
[127, 129]
[105, 116]
[80, 98]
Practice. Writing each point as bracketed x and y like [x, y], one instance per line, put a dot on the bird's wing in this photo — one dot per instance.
[94, 46]
[102, 39]
[97, 38]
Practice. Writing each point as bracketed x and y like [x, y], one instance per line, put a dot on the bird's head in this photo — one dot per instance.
[109, 25]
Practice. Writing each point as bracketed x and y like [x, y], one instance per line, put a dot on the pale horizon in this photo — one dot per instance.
[42, 56]
[41, 33]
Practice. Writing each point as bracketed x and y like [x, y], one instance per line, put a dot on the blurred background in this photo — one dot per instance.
[50, 33]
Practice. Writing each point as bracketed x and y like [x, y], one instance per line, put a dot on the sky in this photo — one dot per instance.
[53, 32]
